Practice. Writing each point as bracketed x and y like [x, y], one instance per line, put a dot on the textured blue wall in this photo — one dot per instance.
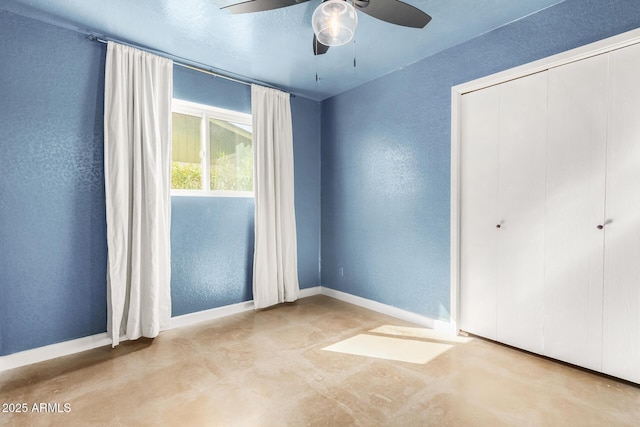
[386, 156]
[306, 118]
[212, 238]
[52, 209]
[211, 252]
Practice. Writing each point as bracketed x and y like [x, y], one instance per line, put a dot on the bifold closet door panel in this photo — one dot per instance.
[621, 333]
[521, 203]
[576, 158]
[479, 210]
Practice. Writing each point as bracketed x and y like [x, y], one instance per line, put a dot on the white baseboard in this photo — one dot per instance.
[309, 292]
[398, 313]
[66, 348]
[53, 351]
[205, 315]
[227, 310]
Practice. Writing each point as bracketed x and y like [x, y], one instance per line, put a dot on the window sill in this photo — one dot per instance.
[218, 193]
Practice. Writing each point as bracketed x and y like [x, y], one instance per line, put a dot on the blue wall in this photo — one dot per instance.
[52, 209]
[212, 238]
[386, 172]
[306, 118]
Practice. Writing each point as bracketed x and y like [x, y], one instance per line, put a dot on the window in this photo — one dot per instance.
[212, 151]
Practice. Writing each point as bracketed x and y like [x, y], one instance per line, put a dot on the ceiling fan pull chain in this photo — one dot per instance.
[355, 53]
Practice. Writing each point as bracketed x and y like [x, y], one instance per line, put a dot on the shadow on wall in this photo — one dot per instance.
[248, 289]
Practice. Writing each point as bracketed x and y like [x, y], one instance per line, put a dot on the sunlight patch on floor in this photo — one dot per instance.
[390, 348]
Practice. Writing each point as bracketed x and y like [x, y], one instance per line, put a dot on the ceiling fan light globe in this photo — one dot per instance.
[334, 22]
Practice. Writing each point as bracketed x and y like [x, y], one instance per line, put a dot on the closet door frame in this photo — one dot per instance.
[577, 54]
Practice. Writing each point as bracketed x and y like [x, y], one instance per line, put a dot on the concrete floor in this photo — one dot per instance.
[269, 369]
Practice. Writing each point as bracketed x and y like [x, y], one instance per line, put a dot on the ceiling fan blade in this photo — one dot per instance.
[260, 5]
[394, 12]
[319, 48]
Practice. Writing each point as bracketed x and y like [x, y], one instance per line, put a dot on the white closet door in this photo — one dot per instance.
[621, 341]
[523, 132]
[576, 157]
[479, 210]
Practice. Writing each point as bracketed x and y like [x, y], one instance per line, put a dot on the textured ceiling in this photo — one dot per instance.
[275, 47]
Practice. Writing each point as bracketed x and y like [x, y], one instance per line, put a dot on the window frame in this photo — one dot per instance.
[205, 113]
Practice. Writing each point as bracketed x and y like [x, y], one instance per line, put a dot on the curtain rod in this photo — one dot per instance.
[182, 62]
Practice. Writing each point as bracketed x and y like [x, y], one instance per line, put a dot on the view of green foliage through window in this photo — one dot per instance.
[231, 156]
[186, 167]
[229, 149]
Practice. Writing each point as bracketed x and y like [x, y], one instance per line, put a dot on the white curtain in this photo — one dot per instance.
[275, 262]
[137, 168]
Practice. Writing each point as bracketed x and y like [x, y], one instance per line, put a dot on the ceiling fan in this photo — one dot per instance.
[334, 21]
